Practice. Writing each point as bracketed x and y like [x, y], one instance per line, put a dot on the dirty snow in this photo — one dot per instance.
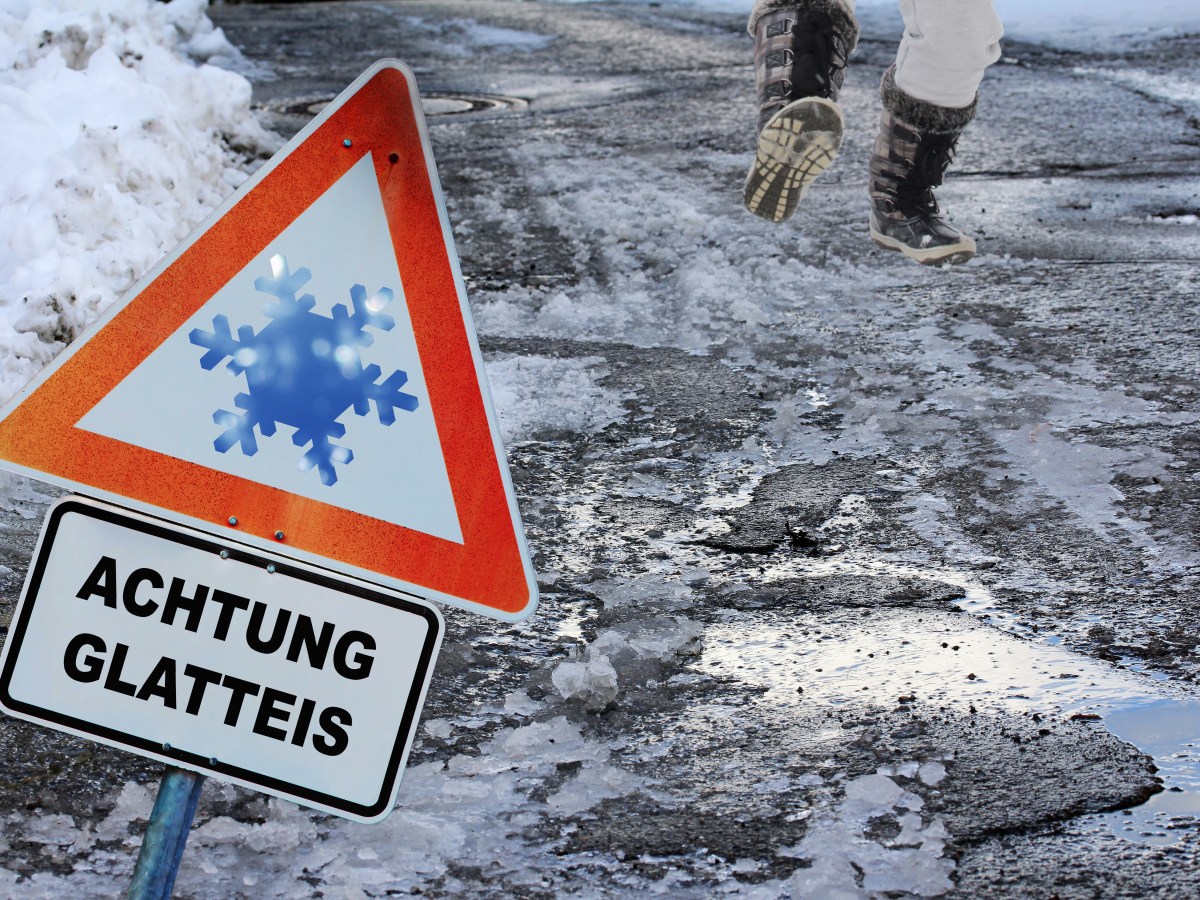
[536, 394]
[652, 225]
[657, 221]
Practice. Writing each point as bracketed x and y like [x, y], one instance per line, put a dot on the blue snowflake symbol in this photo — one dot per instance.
[304, 370]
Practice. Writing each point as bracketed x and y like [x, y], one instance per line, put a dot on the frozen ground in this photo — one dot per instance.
[858, 579]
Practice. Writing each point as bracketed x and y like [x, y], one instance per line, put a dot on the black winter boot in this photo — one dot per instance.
[915, 146]
[800, 51]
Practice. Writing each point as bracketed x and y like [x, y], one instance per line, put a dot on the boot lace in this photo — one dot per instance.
[821, 45]
[815, 62]
[934, 154]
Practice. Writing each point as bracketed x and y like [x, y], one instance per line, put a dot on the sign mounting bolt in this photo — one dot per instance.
[224, 554]
[166, 748]
[347, 142]
[270, 570]
[279, 535]
[233, 520]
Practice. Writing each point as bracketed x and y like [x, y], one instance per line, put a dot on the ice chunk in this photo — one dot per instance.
[932, 773]
[877, 790]
[519, 703]
[624, 656]
[595, 681]
[912, 871]
[16, 491]
[543, 743]
[592, 785]
[657, 591]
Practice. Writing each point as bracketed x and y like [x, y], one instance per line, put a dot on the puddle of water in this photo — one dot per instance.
[1169, 730]
[571, 624]
[948, 658]
[940, 657]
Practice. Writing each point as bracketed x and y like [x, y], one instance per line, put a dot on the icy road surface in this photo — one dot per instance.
[858, 579]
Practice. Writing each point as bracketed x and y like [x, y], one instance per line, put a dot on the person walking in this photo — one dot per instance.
[929, 95]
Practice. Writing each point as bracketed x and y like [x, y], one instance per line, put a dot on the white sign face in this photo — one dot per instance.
[251, 668]
[344, 238]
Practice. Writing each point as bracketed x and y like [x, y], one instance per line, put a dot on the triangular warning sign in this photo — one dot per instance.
[301, 374]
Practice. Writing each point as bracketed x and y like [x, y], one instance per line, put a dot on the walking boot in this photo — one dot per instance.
[800, 52]
[912, 152]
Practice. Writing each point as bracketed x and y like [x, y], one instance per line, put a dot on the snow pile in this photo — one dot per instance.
[535, 394]
[115, 144]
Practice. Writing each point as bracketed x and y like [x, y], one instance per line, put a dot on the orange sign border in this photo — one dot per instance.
[380, 113]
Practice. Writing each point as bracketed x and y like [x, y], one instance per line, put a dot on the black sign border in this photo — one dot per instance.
[195, 761]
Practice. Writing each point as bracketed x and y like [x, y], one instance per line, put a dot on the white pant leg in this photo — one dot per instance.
[947, 44]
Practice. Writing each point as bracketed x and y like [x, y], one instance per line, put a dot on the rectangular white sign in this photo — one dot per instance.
[207, 655]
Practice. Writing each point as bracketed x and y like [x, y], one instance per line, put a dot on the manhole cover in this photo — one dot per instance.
[445, 106]
[463, 104]
[435, 105]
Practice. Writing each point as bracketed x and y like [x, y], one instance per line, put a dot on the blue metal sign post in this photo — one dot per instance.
[166, 835]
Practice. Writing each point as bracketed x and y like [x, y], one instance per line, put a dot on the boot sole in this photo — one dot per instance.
[947, 254]
[796, 145]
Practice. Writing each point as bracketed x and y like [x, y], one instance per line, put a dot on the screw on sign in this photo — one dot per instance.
[301, 676]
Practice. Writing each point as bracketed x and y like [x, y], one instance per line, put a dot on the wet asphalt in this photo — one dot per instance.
[1063, 177]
